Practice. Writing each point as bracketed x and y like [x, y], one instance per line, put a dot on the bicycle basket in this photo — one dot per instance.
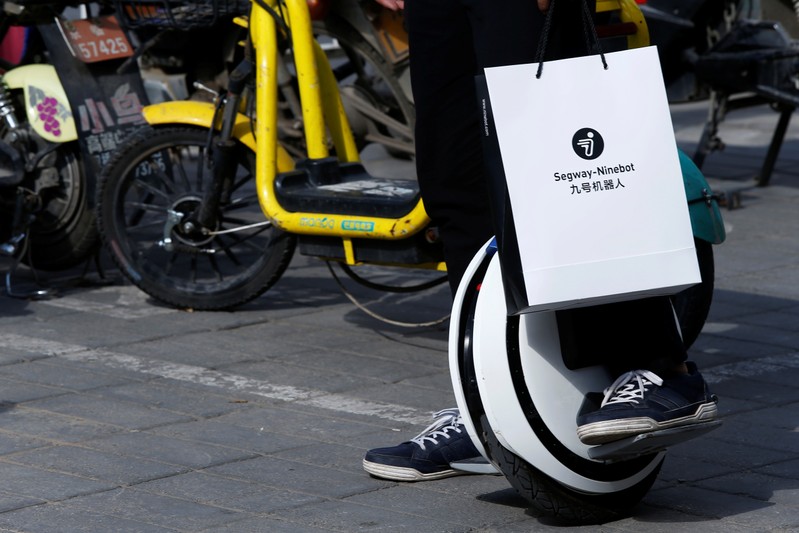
[177, 14]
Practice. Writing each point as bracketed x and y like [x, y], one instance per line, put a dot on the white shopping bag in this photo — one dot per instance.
[594, 180]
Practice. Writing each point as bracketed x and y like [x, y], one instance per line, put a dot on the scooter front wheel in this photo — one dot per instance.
[147, 195]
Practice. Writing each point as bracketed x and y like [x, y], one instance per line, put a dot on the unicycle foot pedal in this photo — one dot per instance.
[648, 443]
[476, 465]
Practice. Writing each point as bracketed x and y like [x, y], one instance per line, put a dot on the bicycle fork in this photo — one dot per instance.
[221, 161]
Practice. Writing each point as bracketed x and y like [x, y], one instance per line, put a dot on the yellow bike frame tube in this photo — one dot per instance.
[302, 43]
[264, 38]
[335, 116]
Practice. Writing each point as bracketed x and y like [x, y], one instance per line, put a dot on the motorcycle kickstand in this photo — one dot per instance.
[17, 247]
[39, 293]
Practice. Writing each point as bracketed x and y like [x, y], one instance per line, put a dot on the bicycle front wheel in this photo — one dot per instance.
[147, 192]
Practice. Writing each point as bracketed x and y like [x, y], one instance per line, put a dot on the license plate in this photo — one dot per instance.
[95, 40]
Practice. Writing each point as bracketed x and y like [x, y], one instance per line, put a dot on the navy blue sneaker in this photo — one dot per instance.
[428, 455]
[641, 402]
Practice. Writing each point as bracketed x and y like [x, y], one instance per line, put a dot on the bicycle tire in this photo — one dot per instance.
[63, 233]
[173, 265]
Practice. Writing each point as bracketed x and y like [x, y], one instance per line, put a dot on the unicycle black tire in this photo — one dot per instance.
[194, 271]
[555, 500]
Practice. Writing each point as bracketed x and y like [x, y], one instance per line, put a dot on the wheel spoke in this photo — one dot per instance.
[247, 178]
[144, 206]
[246, 240]
[153, 190]
[215, 267]
[177, 166]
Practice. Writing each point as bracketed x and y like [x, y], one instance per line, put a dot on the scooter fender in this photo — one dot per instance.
[706, 220]
[201, 114]
[46, 103]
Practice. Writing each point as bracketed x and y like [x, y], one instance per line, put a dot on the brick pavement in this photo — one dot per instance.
[118, 414]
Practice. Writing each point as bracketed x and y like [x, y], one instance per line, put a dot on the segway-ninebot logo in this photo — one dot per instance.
[588, 143]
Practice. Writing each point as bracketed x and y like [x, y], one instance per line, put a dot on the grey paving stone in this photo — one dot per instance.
[95, 464]
[187, 453]
[731, 509]
[682, 465]
[657, 519]
[234, 494]
[155, 509]
[48, 425]
[320, 426]
[108, 411]
[304, 377]
[10, 443]
[10, 501]
[297, 477]
[40, 484]
[344, 516]
[781, 417]
[788, 469]
[731, 454]
[195, 400]
[766, 488]
[13, 392]
[759, 432]
[721, 349]
[55, 517]
[753, 390]
[263, 524]
[467, 511]
[56, 373]
[328, 455]
[256, 439]
[767, 335]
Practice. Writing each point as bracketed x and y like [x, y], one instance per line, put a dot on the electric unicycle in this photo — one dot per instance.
[520, 407]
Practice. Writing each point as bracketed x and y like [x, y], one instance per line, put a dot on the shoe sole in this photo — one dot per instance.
[613, 430]
[398, 473]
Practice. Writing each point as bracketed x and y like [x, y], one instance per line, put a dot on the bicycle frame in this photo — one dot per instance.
[323, 115]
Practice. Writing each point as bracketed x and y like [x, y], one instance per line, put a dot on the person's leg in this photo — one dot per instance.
[449, 159]
[449, 167]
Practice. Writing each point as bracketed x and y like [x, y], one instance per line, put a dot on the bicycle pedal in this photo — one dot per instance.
[648, 443]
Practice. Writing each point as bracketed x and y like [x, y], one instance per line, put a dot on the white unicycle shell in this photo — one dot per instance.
[527, 395]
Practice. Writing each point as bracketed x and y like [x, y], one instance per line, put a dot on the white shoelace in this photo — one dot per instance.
[630, 387]
[445, 420]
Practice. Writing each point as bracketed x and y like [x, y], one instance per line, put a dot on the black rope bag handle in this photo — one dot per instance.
[589, 33]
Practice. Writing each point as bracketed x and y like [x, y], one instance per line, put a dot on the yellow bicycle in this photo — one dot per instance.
[204, 208]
